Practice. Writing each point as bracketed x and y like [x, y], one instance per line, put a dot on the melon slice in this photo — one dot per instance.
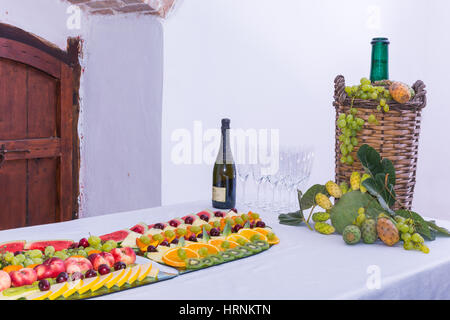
[153, 273]
[73, 287]
[87, 284]
[101, 282]
[12, 246]
[124, 279]
[117, 275]
[117, 236]
[135, 271]
[58, 290]
[42, 244]
[130, 240]
[39, 295]
[145, 270]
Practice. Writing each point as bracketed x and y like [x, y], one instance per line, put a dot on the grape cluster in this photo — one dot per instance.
[411, 239]
[368, 91]
[350, 125]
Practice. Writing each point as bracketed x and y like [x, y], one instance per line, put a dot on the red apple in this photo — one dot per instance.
[23, 277]
[5, 280]
[77, 264]
[126, 255]
[97, 259]
[50, 268]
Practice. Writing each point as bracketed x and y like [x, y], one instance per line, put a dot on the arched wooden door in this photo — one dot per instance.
[36, 95]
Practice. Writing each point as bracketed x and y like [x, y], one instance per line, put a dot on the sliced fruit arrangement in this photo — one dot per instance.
[82, 285]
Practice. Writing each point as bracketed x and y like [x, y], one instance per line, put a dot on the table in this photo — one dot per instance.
[305, 265]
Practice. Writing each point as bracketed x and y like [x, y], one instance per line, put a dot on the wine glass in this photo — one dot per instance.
[243, 171]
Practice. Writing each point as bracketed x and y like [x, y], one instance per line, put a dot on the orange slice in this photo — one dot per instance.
[93, 251]
[218, 243]
[265, 231]
[212, 249]
[10, 268]
[237, 238]
[172, 258]
[249, 234]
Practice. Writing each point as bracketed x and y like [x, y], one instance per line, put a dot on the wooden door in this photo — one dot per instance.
[35, 136]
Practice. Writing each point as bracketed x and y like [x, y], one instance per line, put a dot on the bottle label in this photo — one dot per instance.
[219, 194]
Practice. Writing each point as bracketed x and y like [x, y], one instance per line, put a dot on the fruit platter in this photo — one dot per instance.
[128, 258]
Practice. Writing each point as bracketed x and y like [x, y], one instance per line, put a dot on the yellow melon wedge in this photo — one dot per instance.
[124, 279]
[153, 273]
[58, 290]
[101, 282]
[88, 284]
[145, 269]
[40, 295]
[134, 274]
[116, 277]
[73, 287]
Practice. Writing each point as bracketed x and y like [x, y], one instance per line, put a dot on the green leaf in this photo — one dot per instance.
[227, 229]
[345, 211]
[309, 198]
[440, 230]
[388, 168]
[370, 159]
[291, 219]
[206, 236]
[247, 224]
[376, 190]
[420, 224]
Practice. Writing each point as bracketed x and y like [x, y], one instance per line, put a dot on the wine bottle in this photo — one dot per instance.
[379, 68]
[224, 173]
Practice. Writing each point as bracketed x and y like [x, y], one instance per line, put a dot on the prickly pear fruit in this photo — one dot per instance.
[364, 177]
[323, 228]
[369, 231]
[387, 231]
[333, 189]
[320, 216]
[400, 92]
[355, 180]
[351, 234]
[344, 187]
[323, 201]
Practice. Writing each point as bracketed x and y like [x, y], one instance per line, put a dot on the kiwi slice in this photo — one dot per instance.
[235, 253]
[216, 258]
[244, 251]
[253, 247]
[264, 245]
[226, 256]
[207, 262]
[194, 263]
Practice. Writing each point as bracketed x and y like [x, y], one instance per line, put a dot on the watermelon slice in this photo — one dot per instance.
[12, 246]
[42, 244]
[140, 228]
[116, 236]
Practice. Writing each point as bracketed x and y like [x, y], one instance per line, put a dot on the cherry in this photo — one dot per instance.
[62, 277]
[214, 232]
[78, 275]
[237, 227]
[151, 249]
[104, 269]
[218, 214]
[119, 265]
[204, 217]
[193, 238]
[90, 273]
[164, 243]
[189, 220]
[260, 224]
[83, 243]
[173, 223]
[252, 224]
[200, 235]
[18, 252]
[44, 285]
[158, 226]
[74, 245]
[234, 210]
[175, 241]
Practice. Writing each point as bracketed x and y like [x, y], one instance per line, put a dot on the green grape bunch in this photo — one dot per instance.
[411, 239]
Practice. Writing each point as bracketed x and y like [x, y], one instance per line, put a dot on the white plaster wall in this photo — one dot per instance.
[121, 90]
[121, 117]
[271, 64]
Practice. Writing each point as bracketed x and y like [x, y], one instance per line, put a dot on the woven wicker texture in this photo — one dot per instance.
[395, 137]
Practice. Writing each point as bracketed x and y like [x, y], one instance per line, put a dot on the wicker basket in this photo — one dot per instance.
[396, 136]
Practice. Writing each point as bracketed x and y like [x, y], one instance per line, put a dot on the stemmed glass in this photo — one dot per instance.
[243, 171]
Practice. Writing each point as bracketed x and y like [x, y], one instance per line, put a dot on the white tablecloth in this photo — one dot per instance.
[305, 265]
